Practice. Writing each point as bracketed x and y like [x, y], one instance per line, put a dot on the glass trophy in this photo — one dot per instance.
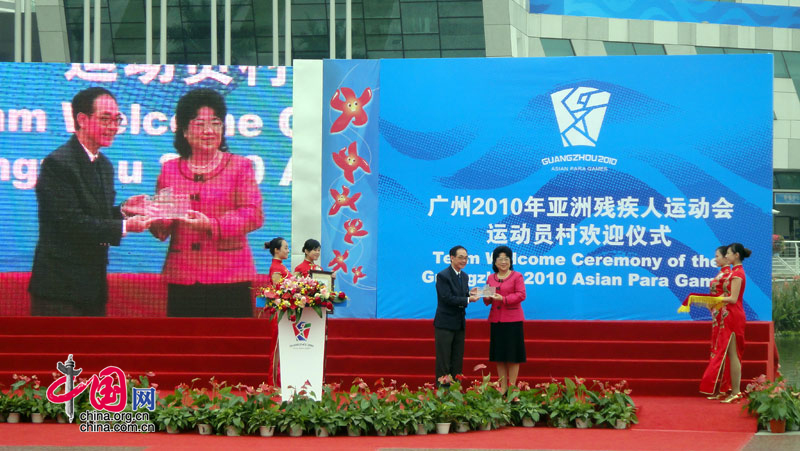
[169, 205]
[486, 291]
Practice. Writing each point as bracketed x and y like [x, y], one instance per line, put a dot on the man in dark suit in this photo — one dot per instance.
[77, 216]
[453, 296]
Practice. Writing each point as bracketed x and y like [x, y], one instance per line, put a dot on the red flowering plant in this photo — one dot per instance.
[613, 405]
[294, 293]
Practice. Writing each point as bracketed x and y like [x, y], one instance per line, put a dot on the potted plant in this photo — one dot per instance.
[231, 416]
[202, 417]
[529, 410]
[614, 406]
[230, 419]
[357, 409]
[263, 420]
[172, 418]
[385, 419]
[297, 414]
[327, 418]
[793, 423]
[443, 416]
[205, 404]
[3, 405]
[557, 403]
[19, 405]
[487, 403]
[775, 409]
[770, 401]
[37, 398]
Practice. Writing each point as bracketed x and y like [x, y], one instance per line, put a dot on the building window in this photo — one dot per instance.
[557, 47]
[786, 180]
[626, 48]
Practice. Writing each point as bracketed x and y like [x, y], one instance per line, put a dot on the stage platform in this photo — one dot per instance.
[656, 358]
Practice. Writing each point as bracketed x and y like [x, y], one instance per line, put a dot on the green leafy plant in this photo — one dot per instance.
[299, 412]
[357, 409]
[267, 416]
[786, 305]
[487, 404]
[21, 398]
[173, 416]
[613, 403]
[531, 404]
[230, 411]
[580, 405]
[772, 400]
[422, 407]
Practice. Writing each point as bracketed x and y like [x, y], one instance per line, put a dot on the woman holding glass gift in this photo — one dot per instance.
[209, 267]
[506, 319]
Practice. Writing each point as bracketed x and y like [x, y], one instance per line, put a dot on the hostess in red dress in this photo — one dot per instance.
[304, 268]
[276, 267]
[727, 324]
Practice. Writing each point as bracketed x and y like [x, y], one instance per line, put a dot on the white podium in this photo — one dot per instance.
[301, 346]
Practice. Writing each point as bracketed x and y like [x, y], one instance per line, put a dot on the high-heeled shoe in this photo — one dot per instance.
[717, 397]
[732, 398]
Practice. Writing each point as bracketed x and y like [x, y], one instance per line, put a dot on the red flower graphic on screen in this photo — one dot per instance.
[343, 199]
[338, 262]
[352, 108]
[350, 161]
[353, 228]
[357, 274]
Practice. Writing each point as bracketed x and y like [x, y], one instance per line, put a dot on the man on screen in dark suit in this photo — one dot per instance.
[77, 216]
[453, 295]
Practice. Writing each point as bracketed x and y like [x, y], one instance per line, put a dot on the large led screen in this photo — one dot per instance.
[35, 119]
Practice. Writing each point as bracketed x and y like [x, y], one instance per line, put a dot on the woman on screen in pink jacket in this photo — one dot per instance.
[506, 319]
[209, 267]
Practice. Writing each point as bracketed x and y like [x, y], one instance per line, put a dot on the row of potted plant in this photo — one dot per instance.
[775, 403]
[384, 409]
[27, 399]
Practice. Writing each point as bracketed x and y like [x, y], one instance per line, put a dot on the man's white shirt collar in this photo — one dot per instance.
[92, 156]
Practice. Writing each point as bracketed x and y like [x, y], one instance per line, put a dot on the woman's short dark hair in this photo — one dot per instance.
[311, 244]
[738, 248]
[722, 250]
[187, 109]
[502, 250]
[274, 244]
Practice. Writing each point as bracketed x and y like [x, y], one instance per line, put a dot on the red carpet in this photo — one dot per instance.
[661, 358]
[666, 423]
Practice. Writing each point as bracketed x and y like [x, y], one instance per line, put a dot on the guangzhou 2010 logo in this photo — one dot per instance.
[580, 112]
[301, 329]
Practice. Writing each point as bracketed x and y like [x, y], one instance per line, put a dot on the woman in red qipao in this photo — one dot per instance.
[732, 321]
[311, 250]
[279, 249]
[708, 385]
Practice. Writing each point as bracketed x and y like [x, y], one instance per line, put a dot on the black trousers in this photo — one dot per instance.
[449, 352]
[47, 306]
[218, 300]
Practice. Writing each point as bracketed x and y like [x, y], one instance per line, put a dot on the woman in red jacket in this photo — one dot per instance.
[209, 267]
[507, 340]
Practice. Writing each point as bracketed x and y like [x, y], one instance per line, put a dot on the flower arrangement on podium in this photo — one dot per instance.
[293, 294]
